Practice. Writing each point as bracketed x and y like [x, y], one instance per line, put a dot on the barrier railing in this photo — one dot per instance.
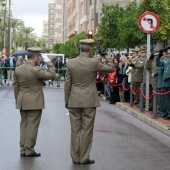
[3, 72]
[143, 98]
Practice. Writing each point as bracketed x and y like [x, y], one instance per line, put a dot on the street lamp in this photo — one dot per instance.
[9, 30]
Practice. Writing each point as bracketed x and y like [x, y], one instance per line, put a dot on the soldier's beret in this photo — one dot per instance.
[87, 41]
[134, 51]
[156, 53]
[143, 50]
[34, 49]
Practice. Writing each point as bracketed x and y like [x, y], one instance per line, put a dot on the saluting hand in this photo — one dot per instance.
[45, 58]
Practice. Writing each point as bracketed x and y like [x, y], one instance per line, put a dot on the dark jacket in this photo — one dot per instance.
[8, 62]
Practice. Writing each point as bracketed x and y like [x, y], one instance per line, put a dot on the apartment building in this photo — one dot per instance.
[51, 19]
[57, 21]
[83, 15]
[45, 36]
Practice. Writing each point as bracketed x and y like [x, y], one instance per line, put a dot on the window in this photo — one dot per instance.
[82, 7]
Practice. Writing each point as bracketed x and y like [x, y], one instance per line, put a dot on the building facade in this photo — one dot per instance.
[83, 15]
[58, 21]
[51, 19]
[45, 36]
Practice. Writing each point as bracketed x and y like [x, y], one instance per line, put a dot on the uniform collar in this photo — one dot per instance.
[84, 55]
[30, 62]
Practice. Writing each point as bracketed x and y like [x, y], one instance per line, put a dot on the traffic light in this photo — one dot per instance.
[90, 34]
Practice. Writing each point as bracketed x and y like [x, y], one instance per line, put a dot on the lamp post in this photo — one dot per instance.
[9, 29]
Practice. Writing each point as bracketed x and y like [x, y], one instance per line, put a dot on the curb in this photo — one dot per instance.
[152, 122]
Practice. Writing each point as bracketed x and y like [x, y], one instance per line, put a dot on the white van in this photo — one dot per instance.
[62, 56]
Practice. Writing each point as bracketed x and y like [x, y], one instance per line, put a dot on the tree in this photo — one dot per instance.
[162, 9]
[72, 47]
[3, 19]
[129, 33]
[17, 26]
[108, 28]
[27, 37]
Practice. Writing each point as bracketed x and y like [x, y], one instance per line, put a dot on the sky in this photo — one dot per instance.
[33, 12]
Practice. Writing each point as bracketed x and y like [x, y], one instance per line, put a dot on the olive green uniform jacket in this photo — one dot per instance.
[28, 82]
[80, 81]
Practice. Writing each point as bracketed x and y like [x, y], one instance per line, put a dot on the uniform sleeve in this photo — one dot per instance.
[109, 68]
[140, 65]
[67, 86]
[155, 74]
[159, 63]
[46, 75]
[16, 87]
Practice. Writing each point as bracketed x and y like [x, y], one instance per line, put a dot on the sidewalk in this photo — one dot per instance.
[159, 124]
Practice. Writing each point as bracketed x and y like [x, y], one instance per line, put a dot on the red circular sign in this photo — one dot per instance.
[149, 22]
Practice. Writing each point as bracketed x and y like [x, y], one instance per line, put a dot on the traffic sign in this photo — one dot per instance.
[149, 22]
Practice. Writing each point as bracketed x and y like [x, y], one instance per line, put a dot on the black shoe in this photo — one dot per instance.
[34, 155]
[88, 162]
[22, 155]
[168, 117]
[77, 163]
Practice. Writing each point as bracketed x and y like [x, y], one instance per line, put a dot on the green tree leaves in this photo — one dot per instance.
[71, 48]
[119, 26]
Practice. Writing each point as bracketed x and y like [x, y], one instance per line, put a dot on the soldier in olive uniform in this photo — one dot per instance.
[139, 66]
[81, 98]
[166, 85]
[28, 82]
[159, 75]
[135, 59]
[20, 61]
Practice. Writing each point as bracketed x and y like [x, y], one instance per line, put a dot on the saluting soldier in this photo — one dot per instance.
[20, 61]
[139, 66]
[81, 98]
[159, 75]
[165, 84]
[135, 59]
[28, 82]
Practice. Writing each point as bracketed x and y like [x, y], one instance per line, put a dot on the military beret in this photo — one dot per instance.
[34, 49]
[87, 41]
[134, 51]
[143, 50]
[156, 53]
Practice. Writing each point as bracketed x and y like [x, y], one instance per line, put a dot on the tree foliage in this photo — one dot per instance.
[119, 26]
[71, 47]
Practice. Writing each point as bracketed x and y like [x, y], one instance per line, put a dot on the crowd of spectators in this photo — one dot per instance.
[8, 65]
[130, 68]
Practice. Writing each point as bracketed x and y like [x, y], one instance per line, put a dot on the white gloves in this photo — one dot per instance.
[45, 58]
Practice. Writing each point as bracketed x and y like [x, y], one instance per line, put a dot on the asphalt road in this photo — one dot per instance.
[121, 142]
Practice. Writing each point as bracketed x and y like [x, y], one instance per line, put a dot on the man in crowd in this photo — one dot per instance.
[134, 60]
[81, 98]
[28, 82]
[20, 61]
[10, 64]
[165, 63]
[159, 74]
[2, 63]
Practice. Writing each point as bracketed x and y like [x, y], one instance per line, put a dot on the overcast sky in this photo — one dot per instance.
[33, 12]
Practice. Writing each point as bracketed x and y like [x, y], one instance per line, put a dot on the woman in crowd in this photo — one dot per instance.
[122, 73]
[111, 81]
[58, 67]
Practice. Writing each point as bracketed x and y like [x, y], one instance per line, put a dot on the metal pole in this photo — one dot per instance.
[155, 104]
[131, 95]
[9, 29]
[147, 73]
[141, 98]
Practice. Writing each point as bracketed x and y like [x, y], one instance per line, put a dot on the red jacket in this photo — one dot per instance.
[112, 76]
[99, 77]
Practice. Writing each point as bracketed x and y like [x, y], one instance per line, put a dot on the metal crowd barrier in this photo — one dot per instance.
[3, 72]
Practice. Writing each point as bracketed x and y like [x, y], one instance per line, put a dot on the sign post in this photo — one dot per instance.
[149, 23]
